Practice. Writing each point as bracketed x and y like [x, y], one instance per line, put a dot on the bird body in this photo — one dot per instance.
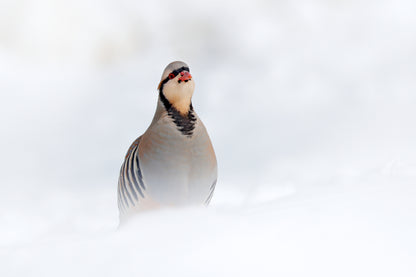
[173, 163]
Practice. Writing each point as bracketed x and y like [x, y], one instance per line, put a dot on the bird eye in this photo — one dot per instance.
[171, 76]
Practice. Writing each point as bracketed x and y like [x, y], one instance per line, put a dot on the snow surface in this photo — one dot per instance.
[310, 106]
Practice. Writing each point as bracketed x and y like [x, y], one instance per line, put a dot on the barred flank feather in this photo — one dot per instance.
[130, 183]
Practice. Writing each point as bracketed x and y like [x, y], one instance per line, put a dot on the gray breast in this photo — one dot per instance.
[177, 169]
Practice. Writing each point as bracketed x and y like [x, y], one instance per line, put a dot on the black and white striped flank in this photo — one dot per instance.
[130, 182]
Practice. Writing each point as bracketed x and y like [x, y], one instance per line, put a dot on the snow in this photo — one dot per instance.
[309, 104]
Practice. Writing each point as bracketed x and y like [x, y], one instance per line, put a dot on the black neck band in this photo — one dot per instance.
[185, 123]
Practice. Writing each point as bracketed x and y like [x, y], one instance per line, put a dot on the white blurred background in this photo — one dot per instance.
[310, 106]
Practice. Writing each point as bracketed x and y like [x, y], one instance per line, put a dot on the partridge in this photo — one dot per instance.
[173, 163]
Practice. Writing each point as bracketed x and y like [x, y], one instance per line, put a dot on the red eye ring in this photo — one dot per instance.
[171, 76]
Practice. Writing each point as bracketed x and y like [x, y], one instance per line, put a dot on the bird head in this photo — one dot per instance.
[177, 86]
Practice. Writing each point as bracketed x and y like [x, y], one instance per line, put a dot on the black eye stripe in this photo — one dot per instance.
[176, 72]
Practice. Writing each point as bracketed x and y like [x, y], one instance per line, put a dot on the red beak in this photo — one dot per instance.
[185, 76]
